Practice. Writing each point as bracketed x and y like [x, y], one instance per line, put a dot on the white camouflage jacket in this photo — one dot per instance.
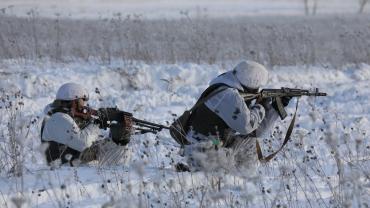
[249, 118]
[61, 128]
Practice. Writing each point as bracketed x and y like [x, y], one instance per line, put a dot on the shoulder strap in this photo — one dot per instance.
[205, 98]
[263, 159]
[42, 128]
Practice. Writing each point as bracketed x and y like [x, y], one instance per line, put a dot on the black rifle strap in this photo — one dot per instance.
[287, 138]
[205, 98]
[181, 125]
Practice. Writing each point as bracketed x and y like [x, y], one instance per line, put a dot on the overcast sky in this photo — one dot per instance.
[172, 8]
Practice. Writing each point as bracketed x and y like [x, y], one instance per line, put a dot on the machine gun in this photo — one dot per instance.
[107, 116]
[277, 94]
[143, 127]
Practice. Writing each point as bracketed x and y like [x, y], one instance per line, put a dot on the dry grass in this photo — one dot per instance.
[271, 40]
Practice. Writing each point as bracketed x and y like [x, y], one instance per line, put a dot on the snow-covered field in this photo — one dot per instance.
[326, 164]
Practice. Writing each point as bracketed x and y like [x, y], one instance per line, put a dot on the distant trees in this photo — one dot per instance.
[362, 5]
[310, 6]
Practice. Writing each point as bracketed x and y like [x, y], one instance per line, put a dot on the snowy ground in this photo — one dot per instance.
[173, 8]
[325, 165]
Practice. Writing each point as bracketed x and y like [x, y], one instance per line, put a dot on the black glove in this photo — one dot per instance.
[285, 101]
[265, 102]
[120, 135]
[119, 122]
[105, 115]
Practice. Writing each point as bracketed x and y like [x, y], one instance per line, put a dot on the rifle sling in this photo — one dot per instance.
[287, 138]
[183, 121]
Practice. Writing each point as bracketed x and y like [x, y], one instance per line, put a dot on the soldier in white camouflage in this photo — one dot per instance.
[70, 133]
[223, 130]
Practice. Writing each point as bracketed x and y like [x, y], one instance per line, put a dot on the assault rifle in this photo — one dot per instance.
[277, 94]
[106, 116]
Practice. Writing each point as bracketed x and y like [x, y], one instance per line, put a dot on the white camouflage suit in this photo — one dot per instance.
[62, 128]
[242, 153]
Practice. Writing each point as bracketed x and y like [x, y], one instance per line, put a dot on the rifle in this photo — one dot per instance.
[277, 94]
[109, 115]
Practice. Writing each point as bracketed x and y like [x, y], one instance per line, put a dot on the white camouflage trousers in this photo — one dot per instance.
[106, 153]
[239, 156]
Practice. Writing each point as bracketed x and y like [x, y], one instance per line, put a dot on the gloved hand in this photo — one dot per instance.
[120, 135]
[119, 122]
[265, 102]
[105, 115]
[285, 101]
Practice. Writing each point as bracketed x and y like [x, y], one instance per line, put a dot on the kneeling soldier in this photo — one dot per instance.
[71, 130]
[223, 127]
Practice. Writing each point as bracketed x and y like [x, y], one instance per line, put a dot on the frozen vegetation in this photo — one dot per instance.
[154, 59]
[273, 40]
[326, 164]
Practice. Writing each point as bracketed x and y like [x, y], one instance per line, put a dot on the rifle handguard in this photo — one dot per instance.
[106, 116]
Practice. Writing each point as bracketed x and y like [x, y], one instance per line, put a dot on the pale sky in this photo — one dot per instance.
[172, 8]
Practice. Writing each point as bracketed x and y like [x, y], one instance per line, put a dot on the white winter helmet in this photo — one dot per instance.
[72, 91]
[251, 74]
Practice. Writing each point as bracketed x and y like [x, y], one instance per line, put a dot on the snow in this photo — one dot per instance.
[331, 135]
[172, 8]
[326, 164]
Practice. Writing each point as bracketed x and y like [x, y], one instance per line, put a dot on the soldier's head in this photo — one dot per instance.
[251, 75]
[72, 94]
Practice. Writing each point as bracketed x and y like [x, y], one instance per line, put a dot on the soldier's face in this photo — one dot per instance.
[80, 103]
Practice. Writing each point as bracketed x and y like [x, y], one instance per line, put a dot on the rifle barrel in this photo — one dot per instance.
[143, 131]
[149, 124]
